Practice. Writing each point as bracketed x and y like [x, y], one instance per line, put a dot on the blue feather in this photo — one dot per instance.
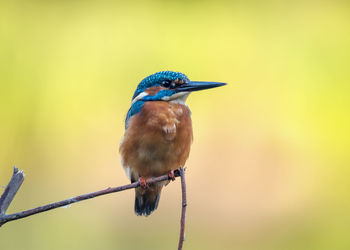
[159, 96]
[134, 109]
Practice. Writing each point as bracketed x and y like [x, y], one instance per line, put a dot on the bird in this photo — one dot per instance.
[158, 133]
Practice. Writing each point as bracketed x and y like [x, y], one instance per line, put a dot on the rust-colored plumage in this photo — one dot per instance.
[157, 140]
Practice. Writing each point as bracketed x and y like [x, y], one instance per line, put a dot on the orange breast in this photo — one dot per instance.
[157, 139]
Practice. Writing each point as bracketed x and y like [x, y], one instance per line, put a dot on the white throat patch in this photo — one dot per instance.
[180, 98]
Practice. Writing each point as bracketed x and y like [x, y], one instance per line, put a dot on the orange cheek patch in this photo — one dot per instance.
[154, 90]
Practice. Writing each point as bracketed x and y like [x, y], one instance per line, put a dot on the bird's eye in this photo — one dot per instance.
[166, 83]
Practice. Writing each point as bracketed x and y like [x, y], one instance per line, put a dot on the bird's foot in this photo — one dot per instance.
[171, 175]
[142, 182]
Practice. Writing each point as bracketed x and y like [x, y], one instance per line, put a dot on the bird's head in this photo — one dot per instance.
[167, 86]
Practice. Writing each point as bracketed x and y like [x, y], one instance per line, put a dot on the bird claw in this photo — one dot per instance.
[142, 182]
[171, 175]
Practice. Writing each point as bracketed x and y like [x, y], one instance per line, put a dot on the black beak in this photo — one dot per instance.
[195, 86]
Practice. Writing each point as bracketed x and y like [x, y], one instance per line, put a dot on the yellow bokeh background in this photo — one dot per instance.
[269, 165]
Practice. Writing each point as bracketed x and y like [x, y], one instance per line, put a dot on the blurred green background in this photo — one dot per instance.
[269, 166]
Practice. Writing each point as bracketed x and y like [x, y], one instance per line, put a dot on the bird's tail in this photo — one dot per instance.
[147, 199]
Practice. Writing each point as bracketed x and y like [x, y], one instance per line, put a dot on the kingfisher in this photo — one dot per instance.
[158, 133]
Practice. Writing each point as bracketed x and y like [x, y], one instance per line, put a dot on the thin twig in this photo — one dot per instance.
[10, 191]
[10, 217]
[183, 211]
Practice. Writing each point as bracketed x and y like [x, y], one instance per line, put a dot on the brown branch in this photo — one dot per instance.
[18, 178]
[183, 210]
